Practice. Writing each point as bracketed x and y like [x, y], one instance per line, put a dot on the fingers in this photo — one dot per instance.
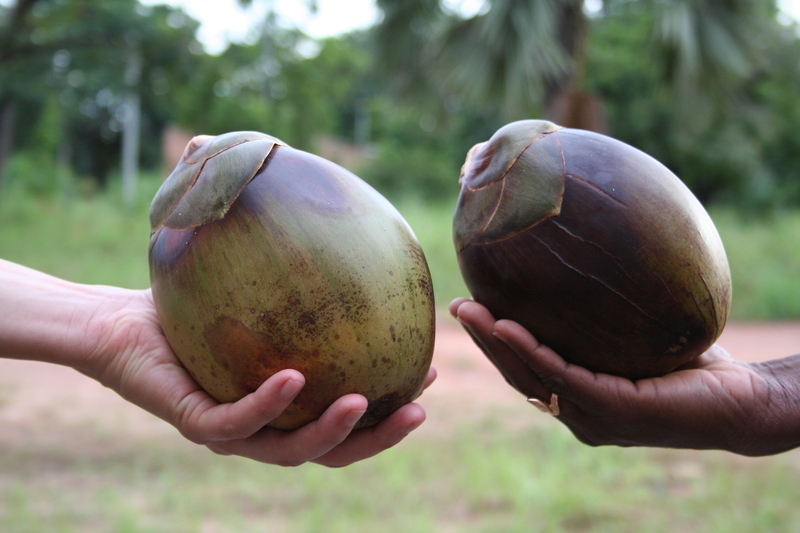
[580, 391]
[556, 375]
[208, 421]
[480, 324]
[532, 368]
[321, 436]
[305, 444]
[368, 442]
[330, 440]
[455, 304]
[430, 378]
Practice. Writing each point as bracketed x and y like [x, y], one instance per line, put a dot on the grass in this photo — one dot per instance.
[93, 239]
[764, 255]
[536, 479]
[475, 480]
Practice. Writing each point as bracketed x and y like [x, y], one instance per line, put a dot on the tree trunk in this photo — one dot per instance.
[574, 108]
[131, 126]
[8, 116]
[568, 104]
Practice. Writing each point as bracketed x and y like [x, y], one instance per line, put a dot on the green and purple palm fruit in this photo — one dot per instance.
[596, 248]
[264, 257]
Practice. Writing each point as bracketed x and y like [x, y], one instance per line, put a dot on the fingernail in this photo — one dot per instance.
[352, 417]
[290, 389]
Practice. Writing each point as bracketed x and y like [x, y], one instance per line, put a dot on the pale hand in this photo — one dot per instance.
[113, 335]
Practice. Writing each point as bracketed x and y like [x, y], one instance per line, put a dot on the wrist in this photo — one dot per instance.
[778, 427]
[52, 320]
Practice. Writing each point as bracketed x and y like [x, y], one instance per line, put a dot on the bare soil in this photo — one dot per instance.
[47, 405]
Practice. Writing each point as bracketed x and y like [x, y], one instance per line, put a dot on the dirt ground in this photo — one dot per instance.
[41, 403]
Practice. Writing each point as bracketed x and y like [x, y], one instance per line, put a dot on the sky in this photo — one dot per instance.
[224, 20]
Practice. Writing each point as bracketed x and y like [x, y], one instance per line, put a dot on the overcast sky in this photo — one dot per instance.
[223, 21]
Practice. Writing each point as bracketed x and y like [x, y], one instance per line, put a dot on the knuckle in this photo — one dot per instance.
[556, 382]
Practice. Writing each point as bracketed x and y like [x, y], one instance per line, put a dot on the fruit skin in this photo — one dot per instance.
[298, 264]
[596, 248]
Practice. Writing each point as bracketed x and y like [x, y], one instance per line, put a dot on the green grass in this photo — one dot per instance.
[93, 239]
[764, 254]
[479, 479]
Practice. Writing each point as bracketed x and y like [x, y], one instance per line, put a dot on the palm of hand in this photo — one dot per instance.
[714, 402]
[699, 406]
[144, 370]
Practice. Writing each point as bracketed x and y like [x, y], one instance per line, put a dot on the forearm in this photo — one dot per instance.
[48, 319]
[781, 413]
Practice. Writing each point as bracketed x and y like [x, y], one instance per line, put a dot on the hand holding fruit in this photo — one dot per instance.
[269, 266]
[113, 335]
[145, 371]
[263, 257]
[607, 257]
[713, 402]
[592, 245]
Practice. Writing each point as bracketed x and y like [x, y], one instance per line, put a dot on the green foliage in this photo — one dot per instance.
[414, 156]
[765, 260]
[64, 67]
[734, 149]
[81, 235]
[34, 174]
[68, 65]
[270, 87]
[66, 77]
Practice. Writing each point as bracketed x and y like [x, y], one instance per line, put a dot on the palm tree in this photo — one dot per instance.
[529, 55]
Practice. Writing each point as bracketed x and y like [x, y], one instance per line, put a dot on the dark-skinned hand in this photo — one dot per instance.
[714, 402]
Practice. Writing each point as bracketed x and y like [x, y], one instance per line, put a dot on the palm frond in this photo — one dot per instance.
[506, 58]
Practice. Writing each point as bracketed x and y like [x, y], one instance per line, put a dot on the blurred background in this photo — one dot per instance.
[98, 98]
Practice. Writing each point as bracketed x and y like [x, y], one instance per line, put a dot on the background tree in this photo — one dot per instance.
[66, 62]
[706, 86]
[522, 57]
[679, 79]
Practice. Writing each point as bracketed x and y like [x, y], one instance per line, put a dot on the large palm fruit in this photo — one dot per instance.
[595, 247]
[263, 257]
